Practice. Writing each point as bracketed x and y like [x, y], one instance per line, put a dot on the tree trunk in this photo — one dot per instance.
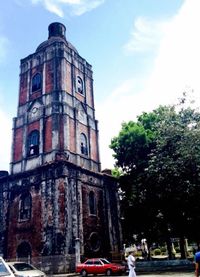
[182, 247]
[169, 247]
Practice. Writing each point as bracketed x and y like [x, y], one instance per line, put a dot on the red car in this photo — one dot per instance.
[99, 266]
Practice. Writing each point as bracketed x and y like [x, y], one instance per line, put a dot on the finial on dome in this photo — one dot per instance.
[57, 29]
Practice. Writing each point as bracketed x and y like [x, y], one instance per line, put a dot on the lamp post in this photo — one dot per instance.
[77, 251]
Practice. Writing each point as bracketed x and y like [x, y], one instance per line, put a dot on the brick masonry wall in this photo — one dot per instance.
[24, 231]
[18, 144]
[23, 88]
[49, 77]
[57, 216]
[48, 138]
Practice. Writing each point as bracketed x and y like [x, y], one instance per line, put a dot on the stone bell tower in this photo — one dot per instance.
[56, 116]
[56, 201]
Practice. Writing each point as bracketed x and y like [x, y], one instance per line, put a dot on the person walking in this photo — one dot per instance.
[131, 264]
[197, 263]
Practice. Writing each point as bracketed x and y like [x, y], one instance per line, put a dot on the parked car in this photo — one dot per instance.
[99, 266]
[21, 269]
[5, 271]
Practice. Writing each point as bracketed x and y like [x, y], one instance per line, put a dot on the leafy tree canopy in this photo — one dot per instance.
[159, 154]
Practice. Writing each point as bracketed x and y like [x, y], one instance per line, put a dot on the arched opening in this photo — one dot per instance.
[25, 206]
[92, 203]
[95, 242]
[36, 82]
[80, 88]
[83, 146]
[24, 250]
[33, 143]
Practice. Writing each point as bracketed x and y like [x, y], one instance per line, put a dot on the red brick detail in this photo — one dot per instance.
[94, 145]
[18, 142]
[92, 223]
[48, 135]
[23, 92]
[34, 126]
[36, 94]
[80, 97]
[83, 129]
[72, 126]
[89, 98]
[36, 70]
[49, 78]
[28, 231]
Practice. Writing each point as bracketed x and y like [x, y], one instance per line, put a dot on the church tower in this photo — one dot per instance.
[56, 117]
[56, 202]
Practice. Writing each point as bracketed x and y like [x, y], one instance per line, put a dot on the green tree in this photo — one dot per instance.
[173, 171]
[160, 156]
[131, 150]
[136, 140]
[130, 146]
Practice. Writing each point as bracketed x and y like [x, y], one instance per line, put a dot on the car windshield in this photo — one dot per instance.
[105, 261]
[3, 270]
[23, 266]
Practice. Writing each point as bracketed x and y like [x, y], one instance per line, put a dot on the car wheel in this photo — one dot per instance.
[108, 272]
[84, 273]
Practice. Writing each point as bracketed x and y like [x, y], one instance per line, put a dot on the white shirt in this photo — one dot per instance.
[131, 262]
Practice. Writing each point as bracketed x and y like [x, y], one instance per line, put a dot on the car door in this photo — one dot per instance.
[5, 269]
[89, 266]
[98, 267]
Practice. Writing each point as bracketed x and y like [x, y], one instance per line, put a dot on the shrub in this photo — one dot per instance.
[138, 254]
[157, 251]
[163, 249]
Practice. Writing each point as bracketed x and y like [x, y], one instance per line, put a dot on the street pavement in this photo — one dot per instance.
[165, 274]
[156, 274]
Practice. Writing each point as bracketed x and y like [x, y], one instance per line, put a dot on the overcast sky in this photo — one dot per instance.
[144, 53]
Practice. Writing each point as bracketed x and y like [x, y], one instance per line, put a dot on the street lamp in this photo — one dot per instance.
[77, 251]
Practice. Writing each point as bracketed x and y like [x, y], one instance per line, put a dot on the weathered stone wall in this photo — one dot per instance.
[60, 212]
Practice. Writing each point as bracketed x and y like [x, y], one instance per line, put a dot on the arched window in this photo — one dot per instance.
[24, 250]
[33, 143]
[25, 204]
[83, 144]
[92, 203]
[95, 242]
[79, 85]
[36, 82]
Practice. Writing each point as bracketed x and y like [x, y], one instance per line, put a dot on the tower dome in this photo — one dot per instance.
[57, 32]
[57, 29]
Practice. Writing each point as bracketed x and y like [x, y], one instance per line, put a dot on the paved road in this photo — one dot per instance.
[156, 274]
[171, 274]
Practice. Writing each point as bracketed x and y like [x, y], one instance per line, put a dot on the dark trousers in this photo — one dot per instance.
[197, 267]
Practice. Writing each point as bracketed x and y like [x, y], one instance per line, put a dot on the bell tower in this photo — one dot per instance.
[56, 202]
[56, 116]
